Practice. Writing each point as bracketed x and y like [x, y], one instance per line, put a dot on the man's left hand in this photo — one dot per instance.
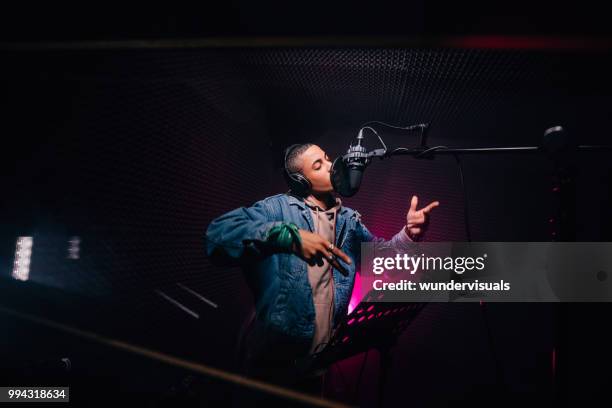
[416, 220]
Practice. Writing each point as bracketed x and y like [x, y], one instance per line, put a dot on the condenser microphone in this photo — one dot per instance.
[347, 170]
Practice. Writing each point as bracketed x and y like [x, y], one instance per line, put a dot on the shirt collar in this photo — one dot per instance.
[298, 201]
[336, 207]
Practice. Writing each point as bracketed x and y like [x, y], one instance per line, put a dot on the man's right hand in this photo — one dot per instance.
[315, 248]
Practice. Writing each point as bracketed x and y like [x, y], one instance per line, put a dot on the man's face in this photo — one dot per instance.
[316, 167]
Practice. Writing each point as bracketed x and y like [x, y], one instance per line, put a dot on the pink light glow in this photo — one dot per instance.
[356, 296]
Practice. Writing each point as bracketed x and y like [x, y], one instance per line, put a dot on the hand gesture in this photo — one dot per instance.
[315, 248]
[417, 220]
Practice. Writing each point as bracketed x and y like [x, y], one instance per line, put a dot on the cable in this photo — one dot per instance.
[421, 126]
[496, 361]
[424, 154]
[466, 214]
[411, 127]
[316, 351]
[358, 384]
[429, 150]
[376, 133]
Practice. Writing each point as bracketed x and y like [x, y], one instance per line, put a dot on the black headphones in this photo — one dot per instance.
[296, 181]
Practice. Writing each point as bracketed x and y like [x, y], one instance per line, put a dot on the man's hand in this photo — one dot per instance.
[417, 220]
[315, 248]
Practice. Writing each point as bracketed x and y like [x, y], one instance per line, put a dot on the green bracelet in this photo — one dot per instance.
[283, 236]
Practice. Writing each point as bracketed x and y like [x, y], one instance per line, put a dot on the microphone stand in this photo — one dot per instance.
[559, 147]
[424, 152]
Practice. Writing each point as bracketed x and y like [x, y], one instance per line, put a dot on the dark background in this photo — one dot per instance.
[105, 20]
[136, 148]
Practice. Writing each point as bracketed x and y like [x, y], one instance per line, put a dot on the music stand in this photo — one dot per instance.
[372, 324]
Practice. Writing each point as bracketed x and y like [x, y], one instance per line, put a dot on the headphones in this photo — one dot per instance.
[297, 182]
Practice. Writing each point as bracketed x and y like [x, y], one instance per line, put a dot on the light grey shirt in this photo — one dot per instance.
[321, 277]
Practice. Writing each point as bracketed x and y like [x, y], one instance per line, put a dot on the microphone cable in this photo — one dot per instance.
[424, 154]
[466, 212]
[375, 132]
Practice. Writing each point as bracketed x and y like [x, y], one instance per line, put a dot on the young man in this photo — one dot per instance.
[286, 244]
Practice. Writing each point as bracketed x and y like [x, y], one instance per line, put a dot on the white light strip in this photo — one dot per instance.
[196, 294]
[174, 302]
[73, 247]
[23, 255]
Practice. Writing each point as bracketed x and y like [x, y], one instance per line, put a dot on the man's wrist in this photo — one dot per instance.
[408, 234]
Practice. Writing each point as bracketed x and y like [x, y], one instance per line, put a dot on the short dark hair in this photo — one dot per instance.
[293, 163]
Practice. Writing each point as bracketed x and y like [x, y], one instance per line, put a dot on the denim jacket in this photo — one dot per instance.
[279, 281]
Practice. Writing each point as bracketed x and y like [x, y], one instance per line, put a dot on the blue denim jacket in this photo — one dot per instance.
[279, 281]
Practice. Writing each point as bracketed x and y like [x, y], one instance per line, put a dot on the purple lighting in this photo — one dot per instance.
[356, 296]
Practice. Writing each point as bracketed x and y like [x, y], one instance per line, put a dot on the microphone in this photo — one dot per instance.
[347, 170]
